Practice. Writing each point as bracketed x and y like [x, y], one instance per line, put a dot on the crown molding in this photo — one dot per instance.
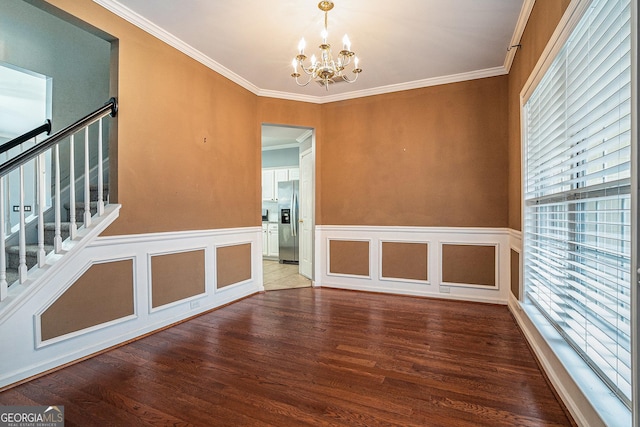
[417, 84]
[139, 21]
[304, 136]
[280, 147]
[523, 18]
[158, 32]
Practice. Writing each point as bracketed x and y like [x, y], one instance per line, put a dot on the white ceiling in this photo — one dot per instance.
[402, 44]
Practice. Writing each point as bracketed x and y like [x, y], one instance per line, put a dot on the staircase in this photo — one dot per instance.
[31, 249]
[34, 256]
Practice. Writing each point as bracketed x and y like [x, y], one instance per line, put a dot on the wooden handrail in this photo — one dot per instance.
[111, 107]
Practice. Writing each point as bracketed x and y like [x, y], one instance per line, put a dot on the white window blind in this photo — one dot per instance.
[577, 225]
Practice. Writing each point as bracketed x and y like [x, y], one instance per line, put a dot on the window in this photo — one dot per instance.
[577, 202]
[24, 101]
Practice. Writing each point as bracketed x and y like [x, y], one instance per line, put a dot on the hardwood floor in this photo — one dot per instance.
[313, 357]
[282, 276]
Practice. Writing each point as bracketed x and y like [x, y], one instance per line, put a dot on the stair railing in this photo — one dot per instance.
[46, 127]
[38, 152]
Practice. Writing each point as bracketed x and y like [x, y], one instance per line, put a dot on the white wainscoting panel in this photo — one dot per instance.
[25, 356]
[434, 237]
[208, 273]
[397, 279]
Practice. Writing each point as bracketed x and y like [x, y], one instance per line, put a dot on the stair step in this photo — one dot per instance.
[80, 205]
[94, 192]
[93, 208]
[12, 276]
[64, 225]
[30, 249]
[50, 231]
[13, 255]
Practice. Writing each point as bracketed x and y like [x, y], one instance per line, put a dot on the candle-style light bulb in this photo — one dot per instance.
[313, 60]
[346, 43]
[301, 45]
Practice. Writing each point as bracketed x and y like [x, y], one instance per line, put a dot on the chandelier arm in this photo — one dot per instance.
[346, 79]
[303, 84]
[356, 72]
[309, 71]
[345, 57]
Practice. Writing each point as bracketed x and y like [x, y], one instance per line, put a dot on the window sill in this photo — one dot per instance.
[589, 400]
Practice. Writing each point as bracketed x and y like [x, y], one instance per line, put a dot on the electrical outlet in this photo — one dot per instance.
[445, 289]
[16, 208]
[195, 304]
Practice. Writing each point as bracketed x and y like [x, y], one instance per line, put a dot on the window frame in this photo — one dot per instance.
[580, 375]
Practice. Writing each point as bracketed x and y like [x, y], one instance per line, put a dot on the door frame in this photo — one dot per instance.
[311, 244]
[314, 263]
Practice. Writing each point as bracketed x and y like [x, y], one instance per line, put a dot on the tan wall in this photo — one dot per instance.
[515, 273]
[349, 257]
[177, 276]
[87, 303]
[427, 157]
[469, 264]
[404, 260]
[234, 264]
[542, 23]
[169, 177]
[434, 157]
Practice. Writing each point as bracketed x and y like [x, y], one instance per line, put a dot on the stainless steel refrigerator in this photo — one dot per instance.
[288, 215]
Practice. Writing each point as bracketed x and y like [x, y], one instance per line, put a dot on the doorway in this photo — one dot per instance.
[287, 219]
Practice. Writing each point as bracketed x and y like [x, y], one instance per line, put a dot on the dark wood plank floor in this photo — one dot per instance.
[313, 357]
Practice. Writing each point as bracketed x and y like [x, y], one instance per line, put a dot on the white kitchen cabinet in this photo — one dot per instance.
[281, 175]
[271, 178]
[268, 184]
[273, 243]
[265, 240]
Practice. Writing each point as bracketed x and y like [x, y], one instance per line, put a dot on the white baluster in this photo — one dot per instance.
[7, 217]
[57, 239]
[87, 181]
[40, 168]
[100, 177]
[73, 227]
[22, 253]
[4, 286]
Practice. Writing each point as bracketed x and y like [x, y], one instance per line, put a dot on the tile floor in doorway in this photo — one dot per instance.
[282, 276]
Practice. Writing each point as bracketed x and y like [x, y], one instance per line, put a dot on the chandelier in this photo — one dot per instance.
[325, 70]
